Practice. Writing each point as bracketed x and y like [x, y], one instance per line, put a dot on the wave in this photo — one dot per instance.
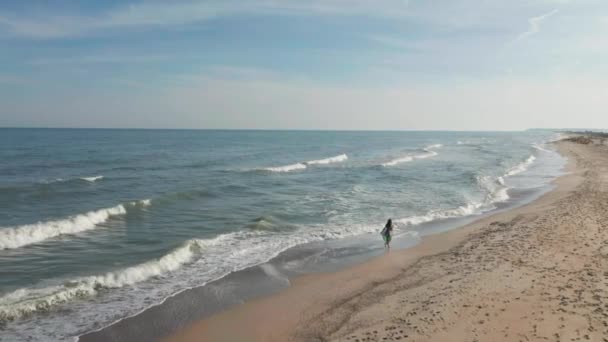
[521, 167]
[269, 223]
[336, 159]
[428, 153]
[195, 263]
[496, 192]
[26, 301]
[141, 203]
[207, 260]
[303, 165]
[436, 215]
[433, 146]
[287, 168]
[541, 148]
[15, 237]
[495, 189]
[92, 179]
[398, 161]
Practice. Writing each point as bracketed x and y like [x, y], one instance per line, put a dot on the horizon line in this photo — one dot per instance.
[286, 129]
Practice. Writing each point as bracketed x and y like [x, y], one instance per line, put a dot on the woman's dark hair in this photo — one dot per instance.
[389, 222]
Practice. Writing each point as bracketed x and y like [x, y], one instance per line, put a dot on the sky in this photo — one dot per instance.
[305, 64]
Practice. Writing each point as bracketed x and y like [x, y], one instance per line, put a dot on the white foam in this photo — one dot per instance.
[287, 168]
[208, 260]
[26, 301]
[142, 203]
[303, 165]
[433, 146]
[15, 237]
[521, 167]
[92, 179]
[541, 148]
[195, 263]
[496, 191]
[428, 153]
[435, 215]
[398, 161]
[336, 159]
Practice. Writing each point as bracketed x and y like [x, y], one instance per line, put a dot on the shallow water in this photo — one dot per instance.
[96, 225]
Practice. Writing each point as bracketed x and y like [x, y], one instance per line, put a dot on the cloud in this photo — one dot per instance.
[170, 14]
[100, 58]
[535, 24]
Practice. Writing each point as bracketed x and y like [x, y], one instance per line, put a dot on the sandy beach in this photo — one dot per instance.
[535, 273]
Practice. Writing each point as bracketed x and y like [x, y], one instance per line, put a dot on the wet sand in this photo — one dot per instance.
[535, 273]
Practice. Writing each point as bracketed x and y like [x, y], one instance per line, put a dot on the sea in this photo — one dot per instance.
[97, 225]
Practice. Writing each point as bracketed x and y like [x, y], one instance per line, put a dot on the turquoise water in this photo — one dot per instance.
[97, 225]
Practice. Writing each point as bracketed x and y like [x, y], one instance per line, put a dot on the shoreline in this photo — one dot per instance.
[187, 307]
[323, 306]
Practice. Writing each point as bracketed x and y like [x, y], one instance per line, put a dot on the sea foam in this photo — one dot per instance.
[398, 161]
[541, 148]
[25, 301]
[495, 192]
[15, 237]
[303, 165]
[92, 179]
[286, 168]
[336, 159]
[428, 152]
[435, 215]
[521, 167]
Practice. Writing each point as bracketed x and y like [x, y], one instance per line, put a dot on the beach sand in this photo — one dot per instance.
[535, 273]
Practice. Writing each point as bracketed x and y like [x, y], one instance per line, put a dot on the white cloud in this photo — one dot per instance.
[173, 13]
[99, 58]
[535, 24]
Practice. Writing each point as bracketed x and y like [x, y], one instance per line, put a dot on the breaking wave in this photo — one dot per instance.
[521, 167]
[398, 161]
[262, 241]
[92, 179]
[433, 146]
[19, 236]
[304, 165]
[287, 168]
[336, 159]
[428, 152]
[541, 148]
[23, 302]
[436, 215]
[496, 192]
[141, 203]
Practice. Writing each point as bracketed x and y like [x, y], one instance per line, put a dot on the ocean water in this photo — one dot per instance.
[97, 225]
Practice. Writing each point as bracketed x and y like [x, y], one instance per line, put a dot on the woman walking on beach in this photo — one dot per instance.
[386, 233]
